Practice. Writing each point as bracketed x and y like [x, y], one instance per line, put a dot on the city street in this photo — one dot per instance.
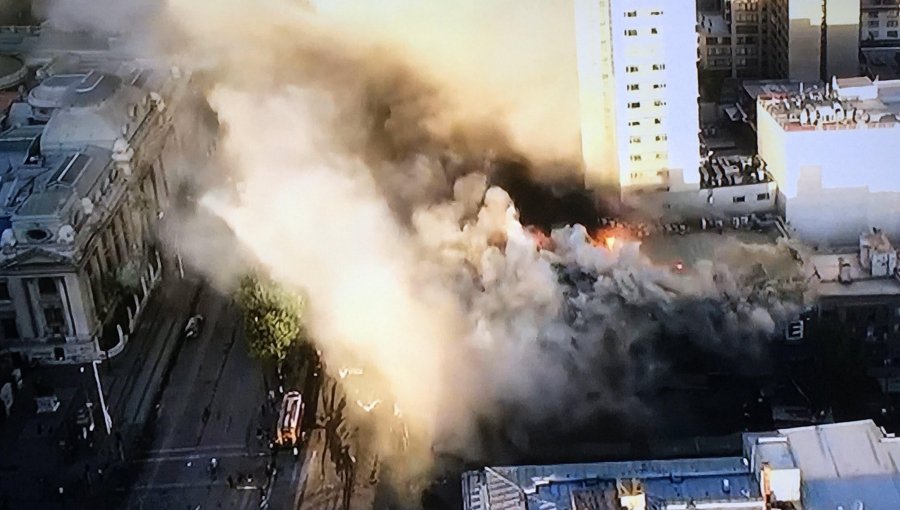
[213, 406]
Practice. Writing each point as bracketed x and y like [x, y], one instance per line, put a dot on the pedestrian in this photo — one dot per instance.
[205, 414]
[230, 482]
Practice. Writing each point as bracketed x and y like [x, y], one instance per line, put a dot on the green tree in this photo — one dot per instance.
[273, 317]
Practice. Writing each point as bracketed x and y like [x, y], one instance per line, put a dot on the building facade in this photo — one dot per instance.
[732, 39]
[813, 39]
[83, 184]
[879, 23]
[831, 152]
[637, 67]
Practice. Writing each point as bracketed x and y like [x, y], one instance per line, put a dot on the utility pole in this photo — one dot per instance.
[107, 420]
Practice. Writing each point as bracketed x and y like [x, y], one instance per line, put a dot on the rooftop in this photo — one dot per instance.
[840, 464]
[670, 481]
[776, 88]
[845, 465]
[847, 103]
[866, 271]
[713, 24]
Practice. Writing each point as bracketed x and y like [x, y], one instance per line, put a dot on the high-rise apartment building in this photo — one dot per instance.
[732, 38]
[637, 65]
[879, 22]
[813, 39]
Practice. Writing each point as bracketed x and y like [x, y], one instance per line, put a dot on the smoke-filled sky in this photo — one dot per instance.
[364, 136]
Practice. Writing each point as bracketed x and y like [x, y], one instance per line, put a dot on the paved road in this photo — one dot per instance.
[213, 372]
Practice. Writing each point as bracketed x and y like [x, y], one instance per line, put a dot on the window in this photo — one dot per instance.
[633, 86]
[634, 139]
[630, 32]
[631, 69]
[873, 24]
[4, 291]
[660, 155]
[654, 31]
[661, 138]
[873, 14]
[892, 23]
[53, 315]
[634, 105]
[659, 102]
[634, 123]
[657, 121]
[635, 157]
[630, 14]
[9, 327]
[656, 13]
[892, 33]
[659, 67]
[738, 200]
[47, 286]
[662, 173]
[659, 85]
[762, 196]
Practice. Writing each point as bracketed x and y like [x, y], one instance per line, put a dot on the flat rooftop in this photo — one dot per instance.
[825, 268]
[672, 481]
[848, 103]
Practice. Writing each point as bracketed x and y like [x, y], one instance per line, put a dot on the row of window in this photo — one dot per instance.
[657, 138]
[891, 13]
[637, 104]
[635, 123]
[640, 175]
[654, 67]
[637, 158]
[634, 86]
[890, 34]
[633, 14]
[632, 32]
[741, 199]
[890, 23]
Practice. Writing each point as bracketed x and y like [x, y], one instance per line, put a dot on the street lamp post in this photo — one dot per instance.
[107, 420]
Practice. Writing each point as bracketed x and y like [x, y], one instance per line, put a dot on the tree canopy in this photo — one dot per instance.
[273, 317]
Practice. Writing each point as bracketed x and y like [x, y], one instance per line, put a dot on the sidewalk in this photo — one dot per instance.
[34, 465]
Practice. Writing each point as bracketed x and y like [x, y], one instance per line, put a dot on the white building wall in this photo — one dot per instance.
[638, 69]
[595, 93]
[73, 301]
[837, 183]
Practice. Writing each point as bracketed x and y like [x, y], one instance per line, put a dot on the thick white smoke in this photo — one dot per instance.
[362, 137]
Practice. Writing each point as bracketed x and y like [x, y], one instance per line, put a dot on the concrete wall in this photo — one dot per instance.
[837, 216]
[595, 82]
[804, 39]
[842, 38]
[691, 202]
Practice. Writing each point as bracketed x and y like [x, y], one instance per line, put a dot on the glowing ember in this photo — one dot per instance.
[610, 242]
